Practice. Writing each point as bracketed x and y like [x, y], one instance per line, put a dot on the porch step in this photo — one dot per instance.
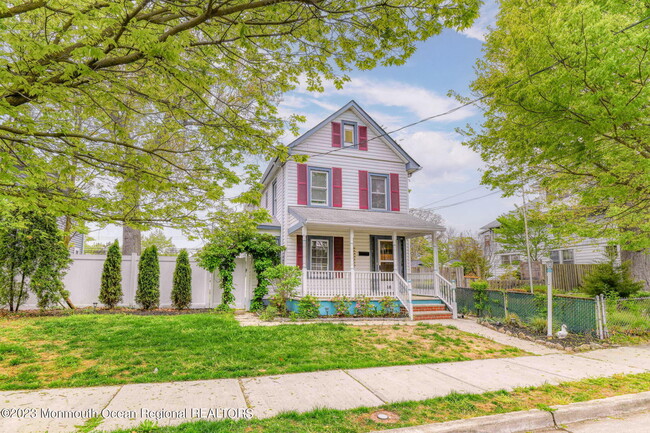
[431, 315]
[429, 307]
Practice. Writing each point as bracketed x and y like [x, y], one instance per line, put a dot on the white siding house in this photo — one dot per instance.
[343, 215]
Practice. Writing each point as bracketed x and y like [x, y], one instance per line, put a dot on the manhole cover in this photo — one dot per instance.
[384, 417]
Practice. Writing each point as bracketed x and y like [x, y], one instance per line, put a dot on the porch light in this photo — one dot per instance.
[94, 305]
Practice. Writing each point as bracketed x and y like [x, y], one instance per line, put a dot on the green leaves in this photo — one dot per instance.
[578, 130]
[148, 292]
[110, 291]
[145, 112]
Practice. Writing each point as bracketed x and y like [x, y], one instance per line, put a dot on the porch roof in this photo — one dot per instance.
[352, 218]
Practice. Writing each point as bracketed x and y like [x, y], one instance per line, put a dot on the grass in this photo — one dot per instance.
[451, 407]
[89, 350]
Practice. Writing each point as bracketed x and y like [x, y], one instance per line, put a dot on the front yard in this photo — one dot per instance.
[92, 349]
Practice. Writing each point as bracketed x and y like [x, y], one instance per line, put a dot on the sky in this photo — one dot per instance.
[397, 96]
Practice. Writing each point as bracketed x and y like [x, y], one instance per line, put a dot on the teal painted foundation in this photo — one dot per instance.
[327, 308]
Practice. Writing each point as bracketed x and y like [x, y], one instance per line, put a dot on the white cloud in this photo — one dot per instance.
[487, 18]
[443, 158]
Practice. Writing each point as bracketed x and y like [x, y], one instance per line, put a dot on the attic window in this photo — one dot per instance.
[349, 132]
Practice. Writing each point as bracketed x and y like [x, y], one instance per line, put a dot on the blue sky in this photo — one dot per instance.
[397, 96]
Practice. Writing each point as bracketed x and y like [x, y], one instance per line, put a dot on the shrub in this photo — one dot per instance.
[611, 278]
[388, 306]
[269, 313]
[364, 307]
[538, 324]
[148, 292]
[308, 307]
[182, 283]
[480, 296]
[342, 305]
[110, 291]
[285, 279]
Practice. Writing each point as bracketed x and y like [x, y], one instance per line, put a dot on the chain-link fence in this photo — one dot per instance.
[629, 316]
[578, 314]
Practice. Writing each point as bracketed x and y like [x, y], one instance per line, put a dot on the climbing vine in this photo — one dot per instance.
[226, 245]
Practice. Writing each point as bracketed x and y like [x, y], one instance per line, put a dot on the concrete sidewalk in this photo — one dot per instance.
[177, 402]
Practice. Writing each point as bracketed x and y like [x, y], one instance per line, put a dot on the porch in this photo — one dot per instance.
[357, 253]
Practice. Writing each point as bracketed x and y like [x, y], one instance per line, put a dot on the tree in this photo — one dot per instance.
[33, 258]
[468, 252]
[579, 128]
[164, 244]
[611, 278]
[511, 235]
[148, 291]
[110, 291]
[202, 81]
[421, 247]
[182, 283]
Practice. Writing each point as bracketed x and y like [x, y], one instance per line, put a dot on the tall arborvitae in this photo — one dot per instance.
[148, 292]
[182, 284]
[110, 292]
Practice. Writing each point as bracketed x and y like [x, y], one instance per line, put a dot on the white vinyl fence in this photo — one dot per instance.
[84, 277]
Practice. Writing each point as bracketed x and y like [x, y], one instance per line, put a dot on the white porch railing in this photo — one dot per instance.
[403, 292]
[374, 284]
[434, 284]
[327, 284]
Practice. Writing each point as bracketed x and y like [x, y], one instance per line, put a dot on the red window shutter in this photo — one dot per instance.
[338, 254]
[363, 189]
[299, 251]
[336, 134]
[394, 191]
[302, 183]
[337, 186]
[363, 138]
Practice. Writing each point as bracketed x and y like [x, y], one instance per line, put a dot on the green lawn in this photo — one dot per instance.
[93, 349]
[452, 407]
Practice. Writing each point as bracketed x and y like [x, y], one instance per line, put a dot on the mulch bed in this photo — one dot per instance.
[90, 310]
[572, 341]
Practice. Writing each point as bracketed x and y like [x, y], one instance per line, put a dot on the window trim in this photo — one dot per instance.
[386, 189]
[330, 250]
[329, 186]
[355, 132]
[510, 261]
[274, 197]
[560, 255]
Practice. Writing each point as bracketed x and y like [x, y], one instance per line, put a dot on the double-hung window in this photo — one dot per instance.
[378, 192]
[562, 256]
[320, 254]
[319, 182]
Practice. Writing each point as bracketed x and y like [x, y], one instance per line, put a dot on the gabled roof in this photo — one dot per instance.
[411, 164]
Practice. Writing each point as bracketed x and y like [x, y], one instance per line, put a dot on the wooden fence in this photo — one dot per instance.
[513, 284]
[570, 277]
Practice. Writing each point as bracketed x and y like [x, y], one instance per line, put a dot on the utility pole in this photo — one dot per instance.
[530, 265]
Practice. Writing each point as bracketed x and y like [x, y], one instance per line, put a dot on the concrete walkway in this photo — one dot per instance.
[176, 402]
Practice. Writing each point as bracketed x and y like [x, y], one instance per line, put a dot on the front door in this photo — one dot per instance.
[385, 256]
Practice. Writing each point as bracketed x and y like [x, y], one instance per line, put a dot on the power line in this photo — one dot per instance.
[465, 201]
[451, 196]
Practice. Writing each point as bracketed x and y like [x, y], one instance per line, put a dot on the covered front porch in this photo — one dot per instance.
[360, 253]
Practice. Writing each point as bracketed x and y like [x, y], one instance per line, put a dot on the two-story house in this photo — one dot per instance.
[343, 216]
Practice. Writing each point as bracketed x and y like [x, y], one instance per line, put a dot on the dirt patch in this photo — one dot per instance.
[384, 417]
[573, 340]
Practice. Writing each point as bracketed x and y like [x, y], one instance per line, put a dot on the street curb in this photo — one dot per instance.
[536, 419]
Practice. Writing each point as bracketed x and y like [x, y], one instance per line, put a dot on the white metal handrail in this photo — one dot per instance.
[423, 284]
[447, 293]
[403, 293]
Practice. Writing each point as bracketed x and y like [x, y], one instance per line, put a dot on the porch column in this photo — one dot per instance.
[304, 260]
[395, 261]
[353, 280]
[436, 264]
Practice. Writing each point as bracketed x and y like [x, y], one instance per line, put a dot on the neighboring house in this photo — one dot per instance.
[77, 240]
[343, 216]
[580, 251]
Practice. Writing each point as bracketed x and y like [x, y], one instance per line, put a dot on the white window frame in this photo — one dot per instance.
[353, 128]
[560, 256]
[386, 192]
[379, 259]
[328, 180]
[274, 197]
[311, 253]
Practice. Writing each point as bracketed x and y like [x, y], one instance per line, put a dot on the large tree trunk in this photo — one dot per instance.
[131, 240]
[640, 265]
[67, 238]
